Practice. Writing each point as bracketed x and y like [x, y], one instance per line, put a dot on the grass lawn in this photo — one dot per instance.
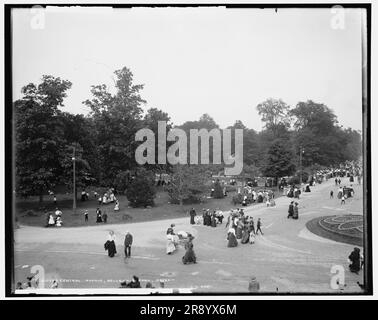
[31, 212]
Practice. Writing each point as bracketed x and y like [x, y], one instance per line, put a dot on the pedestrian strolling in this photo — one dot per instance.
[192, 216]
[258, 226]
[296, 211]
[291, 210]
[110, 244]
[128, 242]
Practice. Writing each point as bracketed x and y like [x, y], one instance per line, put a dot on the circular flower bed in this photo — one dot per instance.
[341, 228]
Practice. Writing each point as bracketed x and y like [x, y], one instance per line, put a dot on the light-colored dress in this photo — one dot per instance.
[51, 220]
[171, 247]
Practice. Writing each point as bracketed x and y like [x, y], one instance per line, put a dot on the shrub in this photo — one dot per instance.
[122, 181]
[31, 213]
[218, 191]
[141, 191]
[237, 199]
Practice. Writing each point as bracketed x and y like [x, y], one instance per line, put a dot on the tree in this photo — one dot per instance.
[150, 121]
[279, 160]
[187, 183]
[40, 143]
[324, 141]
[218, 190]
[274, 113]
[116, 118]
[141, 191]
[79, 135]
[250, 143]
[205, 122]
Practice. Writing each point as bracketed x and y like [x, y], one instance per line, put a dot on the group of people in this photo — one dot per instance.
[293, 210]
[173, 241]
[241, 227]
[101, 217]
[343, 193]
[250, 196]
[107, 198]
[54, 219]
[110, 244]
[135, 283]
[294, 192]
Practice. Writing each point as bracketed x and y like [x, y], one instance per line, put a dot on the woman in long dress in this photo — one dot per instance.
[355, 260]
[295, 214]
[192, 215]
[110, 245]
[51, 220]
[232, 242]
[213, 221]
[171, 245]
[189, 256]
[239, 229]
[245, 237]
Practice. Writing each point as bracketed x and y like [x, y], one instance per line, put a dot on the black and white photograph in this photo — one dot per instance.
[201, 150]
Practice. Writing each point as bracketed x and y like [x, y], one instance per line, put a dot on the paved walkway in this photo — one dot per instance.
[288, 258]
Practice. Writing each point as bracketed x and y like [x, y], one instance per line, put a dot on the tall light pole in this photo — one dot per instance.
[301, 151]
[74, 180]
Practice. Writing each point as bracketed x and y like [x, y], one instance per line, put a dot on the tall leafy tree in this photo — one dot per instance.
[317, 131]
[40, 143]
[279, 161]
[116, 118]
[205, 122]
[150, 121]
[275, 114]
[79, 136]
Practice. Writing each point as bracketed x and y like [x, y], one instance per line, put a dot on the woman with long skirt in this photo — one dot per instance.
[189, 256]
[171, 245]
[245, 237]
[239, 230]
[232, 242]
[110, 245]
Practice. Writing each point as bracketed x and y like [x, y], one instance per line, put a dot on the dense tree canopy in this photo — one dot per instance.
[104, 140]
[40, 141]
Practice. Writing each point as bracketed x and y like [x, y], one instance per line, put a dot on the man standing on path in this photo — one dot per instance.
[128, 242]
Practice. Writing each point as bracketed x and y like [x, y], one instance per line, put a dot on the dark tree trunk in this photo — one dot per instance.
[40, 197]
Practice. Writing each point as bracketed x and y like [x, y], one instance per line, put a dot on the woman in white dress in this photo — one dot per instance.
[171, 243]
[51, 220]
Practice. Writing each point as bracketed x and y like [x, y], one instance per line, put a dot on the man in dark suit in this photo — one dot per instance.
[128, 242]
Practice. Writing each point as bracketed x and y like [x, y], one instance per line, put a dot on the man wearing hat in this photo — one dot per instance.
[128, 242]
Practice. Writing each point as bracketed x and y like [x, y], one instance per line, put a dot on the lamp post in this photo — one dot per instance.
[301, 151]
[74, 181]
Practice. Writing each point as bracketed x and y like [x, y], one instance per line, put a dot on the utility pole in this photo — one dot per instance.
[74, 180]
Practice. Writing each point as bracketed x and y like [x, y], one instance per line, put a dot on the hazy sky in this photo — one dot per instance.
[194, 61]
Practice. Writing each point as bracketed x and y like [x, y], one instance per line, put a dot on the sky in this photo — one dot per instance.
[219, 61]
